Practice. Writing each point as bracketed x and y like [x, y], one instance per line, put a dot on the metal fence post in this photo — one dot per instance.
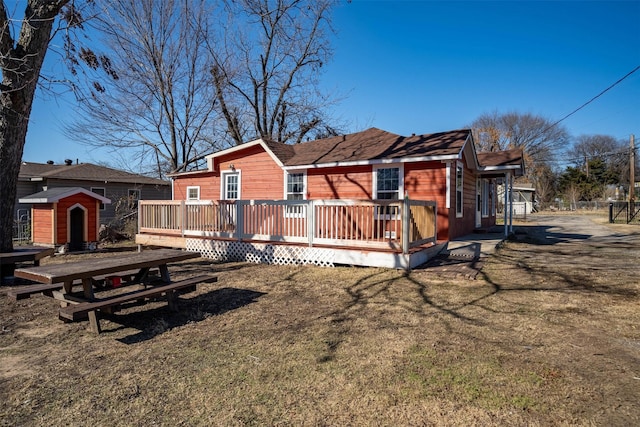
[611, 213]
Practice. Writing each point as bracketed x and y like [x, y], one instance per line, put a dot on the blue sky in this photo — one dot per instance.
[428, 66]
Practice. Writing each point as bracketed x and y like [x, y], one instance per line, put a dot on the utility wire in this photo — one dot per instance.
[592, 99]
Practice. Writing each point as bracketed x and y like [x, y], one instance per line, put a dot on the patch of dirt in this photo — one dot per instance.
[13, 366]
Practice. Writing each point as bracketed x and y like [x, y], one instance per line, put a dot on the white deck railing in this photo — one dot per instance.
[382, 224]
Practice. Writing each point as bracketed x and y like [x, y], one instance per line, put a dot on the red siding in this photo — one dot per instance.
[340, 183]
[262, 178]
[428, 181]
[209, 184]
[42, 220]
[88, 203]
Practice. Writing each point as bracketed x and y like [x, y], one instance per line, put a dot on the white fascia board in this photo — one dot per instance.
[374, 162]
[499, 168]
[240, 147]
[470, 146]
[234, 149]
[71, 192]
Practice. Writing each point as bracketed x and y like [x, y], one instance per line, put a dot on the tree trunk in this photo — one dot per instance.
[20, 62]
[13, 131]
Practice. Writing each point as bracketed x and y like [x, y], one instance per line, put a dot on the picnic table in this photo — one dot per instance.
[57, 280]
[21, 254]
[25, 254]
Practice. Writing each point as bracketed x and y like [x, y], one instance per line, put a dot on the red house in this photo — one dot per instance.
[372, 165]
[67, 217]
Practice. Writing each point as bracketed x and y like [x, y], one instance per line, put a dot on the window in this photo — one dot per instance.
[102, 192]
[133, 195]
[295, 191]
[193, 193]
[459, 184]
[232, 186]
[388, 186]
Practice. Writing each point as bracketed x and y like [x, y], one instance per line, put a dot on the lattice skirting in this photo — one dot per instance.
[261, 253]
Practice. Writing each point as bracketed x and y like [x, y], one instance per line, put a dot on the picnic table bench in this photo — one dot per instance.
[80, 311]
[48, 289]
[59, 280]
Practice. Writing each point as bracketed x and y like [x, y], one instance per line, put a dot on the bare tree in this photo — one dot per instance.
[612, 153]
[573, 193]
[545, 184]
[538, 137]
[266, 69]
[148, 95]
[21, 56]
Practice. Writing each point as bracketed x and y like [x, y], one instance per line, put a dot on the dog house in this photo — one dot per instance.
[65, 217]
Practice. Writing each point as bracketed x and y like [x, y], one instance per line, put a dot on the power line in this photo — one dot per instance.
[592, 99]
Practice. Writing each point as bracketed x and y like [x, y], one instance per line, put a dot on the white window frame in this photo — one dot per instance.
[188, 191]
[224, 193]
[459, 205]
[101, 191]
[485, 191]
[294, 211]
[376, 168]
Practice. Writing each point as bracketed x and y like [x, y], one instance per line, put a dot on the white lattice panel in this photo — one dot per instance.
[261, 253]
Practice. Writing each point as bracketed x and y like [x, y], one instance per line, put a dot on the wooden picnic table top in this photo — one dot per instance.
[25, 254]
[85, 269]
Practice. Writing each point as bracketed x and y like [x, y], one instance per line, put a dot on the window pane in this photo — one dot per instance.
[388, 183]
[193, 193]
[295, 183]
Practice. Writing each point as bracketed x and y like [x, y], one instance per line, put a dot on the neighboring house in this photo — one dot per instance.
[524, 198]
[115, 185]
[369, 165]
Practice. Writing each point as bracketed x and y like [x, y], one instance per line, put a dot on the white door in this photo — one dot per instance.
[478, 203]
[231, 186]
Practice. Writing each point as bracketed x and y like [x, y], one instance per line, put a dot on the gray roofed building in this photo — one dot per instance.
[111, 184]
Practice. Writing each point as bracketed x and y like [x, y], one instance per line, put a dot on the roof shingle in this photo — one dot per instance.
[84, 172]
[371, 144]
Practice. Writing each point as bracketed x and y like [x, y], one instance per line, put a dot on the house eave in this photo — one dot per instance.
[211, 157]
[57, 197]
[515, 169]
[374, 162]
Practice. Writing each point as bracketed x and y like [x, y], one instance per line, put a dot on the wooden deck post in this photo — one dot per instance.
[405, 224]
[311, 221]
[183, 217]
[240, 204]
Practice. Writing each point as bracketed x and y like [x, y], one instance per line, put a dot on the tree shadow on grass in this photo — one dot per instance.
[156, 321]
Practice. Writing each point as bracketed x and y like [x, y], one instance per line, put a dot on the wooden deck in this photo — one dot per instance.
[381, 233]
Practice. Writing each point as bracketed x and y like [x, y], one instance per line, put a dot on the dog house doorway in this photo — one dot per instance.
[76, 228]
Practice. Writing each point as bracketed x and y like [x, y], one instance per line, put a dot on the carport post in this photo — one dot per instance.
[506, 203]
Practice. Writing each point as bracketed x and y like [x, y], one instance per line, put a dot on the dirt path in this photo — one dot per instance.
[581, 276]
[577, 229]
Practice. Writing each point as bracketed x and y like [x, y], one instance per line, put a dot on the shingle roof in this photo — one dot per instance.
[84, 172]
[55, 194]
[371, 144]
[501, 158]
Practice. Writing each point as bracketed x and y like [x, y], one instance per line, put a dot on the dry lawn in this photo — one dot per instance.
[549, 334]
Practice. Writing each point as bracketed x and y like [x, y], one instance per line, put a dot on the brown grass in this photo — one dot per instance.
[547, 335]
